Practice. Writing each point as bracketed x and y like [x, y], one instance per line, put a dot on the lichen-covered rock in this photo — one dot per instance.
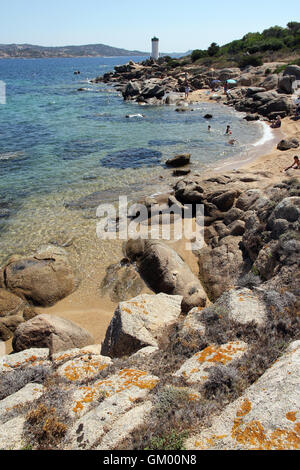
[84, 367]
[121, 429]
[195, 369]
[27, 358]
[48, 331]
[243, 306]
[266, 417]
[19, 399]
[117, 395]
[11, 434]
[140, 322]
[193, 323]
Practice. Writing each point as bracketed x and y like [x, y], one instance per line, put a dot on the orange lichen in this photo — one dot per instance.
[223, 354]
[291, 415]
[193, 396]
[245, 408]
[75, 371]
[253, 436]
[127, 378]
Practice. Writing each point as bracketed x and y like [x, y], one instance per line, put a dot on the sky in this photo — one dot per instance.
[181, 25]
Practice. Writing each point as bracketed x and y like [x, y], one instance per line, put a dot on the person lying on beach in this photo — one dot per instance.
[277, 123]
[295, 165]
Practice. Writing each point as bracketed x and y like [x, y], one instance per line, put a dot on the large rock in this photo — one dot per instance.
[140, 322]
[287, 144]
[42, 279]
[10, 304]
[292, 70]
[243, 306]
[266, 417]
[195, 369]
[165, 271]
[220, 266]
[270, 82]
[286, 83]
[287, 209]
[117, 395]
[48, 331]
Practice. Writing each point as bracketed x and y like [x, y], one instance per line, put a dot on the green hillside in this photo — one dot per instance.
[273, 44]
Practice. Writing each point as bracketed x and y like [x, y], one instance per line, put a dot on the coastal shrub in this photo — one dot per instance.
[246, 60]
[168, 441]
[45, 426]
[213, 49]
[169, 397]
[223, 381]
[249, 280]
[198, 54]
[12, 382]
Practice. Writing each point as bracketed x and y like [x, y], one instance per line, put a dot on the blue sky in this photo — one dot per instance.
[130, 24]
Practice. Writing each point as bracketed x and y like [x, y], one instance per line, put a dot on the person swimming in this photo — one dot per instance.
[134, 115]
[228, 130]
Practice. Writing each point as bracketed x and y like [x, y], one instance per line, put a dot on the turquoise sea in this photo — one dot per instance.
[58, 145]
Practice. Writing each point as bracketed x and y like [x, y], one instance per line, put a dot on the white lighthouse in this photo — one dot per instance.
[155, 44]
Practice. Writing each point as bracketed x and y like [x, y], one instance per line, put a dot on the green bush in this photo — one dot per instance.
[168, 441]
[213, 49]
[255, 61]
[198, 54]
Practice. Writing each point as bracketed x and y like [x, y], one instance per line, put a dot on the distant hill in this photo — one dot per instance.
[30, 51]
[89, 50]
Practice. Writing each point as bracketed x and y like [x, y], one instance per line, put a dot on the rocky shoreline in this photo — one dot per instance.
[258, 91]
[206, 361]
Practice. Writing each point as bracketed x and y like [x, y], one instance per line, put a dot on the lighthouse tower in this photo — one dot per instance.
[155, 44]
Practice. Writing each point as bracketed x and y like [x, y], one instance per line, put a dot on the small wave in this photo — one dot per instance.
[11, 156]
[267, 134]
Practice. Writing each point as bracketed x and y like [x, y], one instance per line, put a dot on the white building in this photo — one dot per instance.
[155, 47]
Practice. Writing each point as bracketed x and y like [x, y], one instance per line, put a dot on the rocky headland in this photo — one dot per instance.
[208, 357]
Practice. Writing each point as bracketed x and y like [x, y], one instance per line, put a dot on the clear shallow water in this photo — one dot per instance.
[58, 144]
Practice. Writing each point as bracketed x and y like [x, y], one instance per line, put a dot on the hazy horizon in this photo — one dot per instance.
[130, 25]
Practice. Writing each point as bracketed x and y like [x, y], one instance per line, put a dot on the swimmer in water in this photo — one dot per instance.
[228, 131]
[134, 115]
[209, 128]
